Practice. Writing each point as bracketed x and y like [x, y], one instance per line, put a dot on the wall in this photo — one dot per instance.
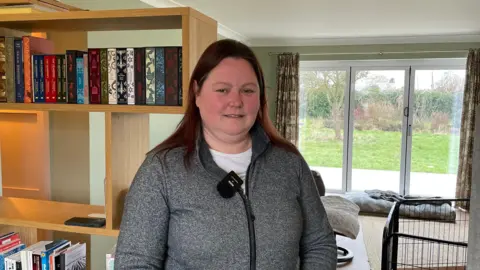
[269, 62]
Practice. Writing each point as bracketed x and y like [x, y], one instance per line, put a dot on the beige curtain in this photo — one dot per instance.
[470, 100]
[287, 96]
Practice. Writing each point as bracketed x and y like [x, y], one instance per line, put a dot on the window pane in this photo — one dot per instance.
[321, 123]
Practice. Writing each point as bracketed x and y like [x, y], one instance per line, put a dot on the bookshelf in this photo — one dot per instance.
[60, 131]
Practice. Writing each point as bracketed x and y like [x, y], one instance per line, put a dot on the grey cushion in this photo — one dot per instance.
[342, 215]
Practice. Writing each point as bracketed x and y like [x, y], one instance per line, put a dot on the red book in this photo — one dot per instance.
[94, 76]
[33, 45]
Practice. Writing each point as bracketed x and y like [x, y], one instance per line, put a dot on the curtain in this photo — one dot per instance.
[287, 96]
[471, 99]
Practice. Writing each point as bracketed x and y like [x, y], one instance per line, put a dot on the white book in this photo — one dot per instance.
[27, 253]
[130, 76]
[112, 75]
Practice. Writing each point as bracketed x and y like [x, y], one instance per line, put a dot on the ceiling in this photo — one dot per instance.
[312, 22]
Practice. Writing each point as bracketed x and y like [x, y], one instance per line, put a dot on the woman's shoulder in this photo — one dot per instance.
[166, 156]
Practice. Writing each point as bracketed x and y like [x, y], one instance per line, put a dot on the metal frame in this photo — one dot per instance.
[410, 66]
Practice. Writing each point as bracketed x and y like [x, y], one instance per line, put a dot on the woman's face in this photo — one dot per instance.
[229, 99]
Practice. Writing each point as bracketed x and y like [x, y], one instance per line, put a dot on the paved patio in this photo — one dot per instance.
[426, 184]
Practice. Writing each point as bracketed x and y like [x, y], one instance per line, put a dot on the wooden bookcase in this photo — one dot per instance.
[26, 203]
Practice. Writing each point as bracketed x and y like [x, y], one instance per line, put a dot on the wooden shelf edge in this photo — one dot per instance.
[15, 107]
[49, 215]
[96, 14]
[59, 227]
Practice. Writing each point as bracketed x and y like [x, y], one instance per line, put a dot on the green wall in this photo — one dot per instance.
[269, 62]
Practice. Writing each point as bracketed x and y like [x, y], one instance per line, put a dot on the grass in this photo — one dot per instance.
[379, 150]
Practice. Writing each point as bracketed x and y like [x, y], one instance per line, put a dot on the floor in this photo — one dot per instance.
[428, 184]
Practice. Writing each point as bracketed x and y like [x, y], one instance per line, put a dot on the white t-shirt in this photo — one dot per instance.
[233, 162]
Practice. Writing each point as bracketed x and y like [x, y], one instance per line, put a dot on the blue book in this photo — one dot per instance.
[80, 82]
[49, 249]
[19, 79]
[160, 76]
[9, 252]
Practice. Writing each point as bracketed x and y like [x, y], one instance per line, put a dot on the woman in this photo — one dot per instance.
[174, 215]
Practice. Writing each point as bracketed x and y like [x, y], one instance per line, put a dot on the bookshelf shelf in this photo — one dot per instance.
[90, 108]
[103, 20]
[48, 215]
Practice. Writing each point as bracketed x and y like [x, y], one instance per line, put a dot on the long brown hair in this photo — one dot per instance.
[186, 133]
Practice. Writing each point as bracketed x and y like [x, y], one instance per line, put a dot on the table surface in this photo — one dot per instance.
[357, 246]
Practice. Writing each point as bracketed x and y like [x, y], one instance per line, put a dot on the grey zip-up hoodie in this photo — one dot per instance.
[176, 219]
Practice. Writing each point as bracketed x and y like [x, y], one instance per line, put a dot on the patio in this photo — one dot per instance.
[425, 184]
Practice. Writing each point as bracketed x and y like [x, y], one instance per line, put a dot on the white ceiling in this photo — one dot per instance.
[310, 22]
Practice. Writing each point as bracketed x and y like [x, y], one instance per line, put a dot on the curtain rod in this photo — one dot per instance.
[373, 53]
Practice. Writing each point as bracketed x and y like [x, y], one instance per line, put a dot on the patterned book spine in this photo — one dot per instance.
[41, 81]
[27, 67]
[19, 77]
[10, 69]
[112, 76]
[150, 75]
[171, 76]
[140, 76]
[104, 76]
[80, 80]
[53, 80]
[180, 77]
[35, 78]
[130, 76]
[160, 76]
[71, 77]
[48, 78]
[94, 75]
[86, 87]
[61, 87]
[121, 76]
[3, 78]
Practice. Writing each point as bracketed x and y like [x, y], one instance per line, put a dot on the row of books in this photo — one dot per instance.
[43, 255]
[31, 72]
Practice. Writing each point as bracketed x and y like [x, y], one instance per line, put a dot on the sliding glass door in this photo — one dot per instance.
[377, 124]
[435, 130]
[388, 125]
[321, 132]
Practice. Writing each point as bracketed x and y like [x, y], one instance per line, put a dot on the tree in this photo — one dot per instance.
[450, 82]
[331, 86]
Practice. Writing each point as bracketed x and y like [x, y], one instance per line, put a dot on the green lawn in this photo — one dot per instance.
[380, 150]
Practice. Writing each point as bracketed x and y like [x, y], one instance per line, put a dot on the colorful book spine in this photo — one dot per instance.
[140, 94]
[104, 96]
[61, 79]
[3, 88]
[160, 76]
[94, 76]
[130, 77]
[53, 78]
[171, 76]
[27, 67]
[150, 75]
[86, 94]
[48, 78]
[121, 76]
[41, 81]
[10, 69]
[180, 77]
[35, 78]
[19, 76]
[112, 76]
[79, 73]
[71, 67]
